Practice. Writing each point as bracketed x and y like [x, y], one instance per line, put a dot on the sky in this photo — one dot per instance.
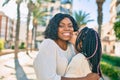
[89, 6]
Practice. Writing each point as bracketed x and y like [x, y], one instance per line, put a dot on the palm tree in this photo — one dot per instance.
[30, 6]
[82, 18]
[34, 11]
[100, 15]
[18, 2]
[38, 18]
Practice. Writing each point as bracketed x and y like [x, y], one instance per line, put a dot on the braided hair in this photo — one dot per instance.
[90, 48]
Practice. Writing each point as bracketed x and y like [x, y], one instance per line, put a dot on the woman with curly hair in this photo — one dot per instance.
[55, 52]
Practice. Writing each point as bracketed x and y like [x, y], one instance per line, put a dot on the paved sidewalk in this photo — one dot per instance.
[8, 70]
[6, 51]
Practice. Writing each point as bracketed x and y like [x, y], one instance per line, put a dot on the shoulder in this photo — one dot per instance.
[48, 42]
[47, 47]
[79, 57]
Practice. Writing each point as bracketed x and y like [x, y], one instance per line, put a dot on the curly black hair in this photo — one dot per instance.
[91, 47]
[52, 28]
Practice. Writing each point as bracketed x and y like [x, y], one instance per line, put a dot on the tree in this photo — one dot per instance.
[117, 29]
[38, 18]
[18, 2]
[117, 26]
[100, 15]
[82, 18]
[30, 6]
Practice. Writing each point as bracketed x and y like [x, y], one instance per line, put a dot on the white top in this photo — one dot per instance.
[78, 67]
[51, 61]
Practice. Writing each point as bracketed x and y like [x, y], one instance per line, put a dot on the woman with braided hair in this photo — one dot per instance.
[88, 48]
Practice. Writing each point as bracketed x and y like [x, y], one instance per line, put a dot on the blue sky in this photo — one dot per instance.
[89, 6]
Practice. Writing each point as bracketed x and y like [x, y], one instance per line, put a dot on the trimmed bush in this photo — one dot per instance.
[117, 29]
[114, 60]
[22, 46]
[111, 71]
[12, 47]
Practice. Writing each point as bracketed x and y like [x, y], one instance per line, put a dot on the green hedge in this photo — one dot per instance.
[114, 60]
[111, 71]
[22, 45]
[12, 47]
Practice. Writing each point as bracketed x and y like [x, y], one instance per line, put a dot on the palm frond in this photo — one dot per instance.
[82, 18]
[6, 1]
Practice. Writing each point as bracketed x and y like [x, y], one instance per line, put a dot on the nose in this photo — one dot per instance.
[67, 28]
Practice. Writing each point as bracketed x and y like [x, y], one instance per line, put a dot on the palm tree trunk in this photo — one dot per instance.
[6, 28]
[31, 41]
[28, 22]
[99, 19]
[100, 15]
[34, 31]
[35, 41]
[35, 23]
[17, 31]
[33, 36]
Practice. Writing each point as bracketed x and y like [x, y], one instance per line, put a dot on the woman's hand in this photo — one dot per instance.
[93, 76]
[73, 38]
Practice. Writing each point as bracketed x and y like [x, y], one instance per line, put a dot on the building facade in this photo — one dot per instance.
[117, 44]
[109, 43]
[57, 6]
[6, 29]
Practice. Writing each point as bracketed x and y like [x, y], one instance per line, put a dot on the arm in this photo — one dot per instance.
[82, 70]
[64, 78]
[45, 63]
[91, 76]
[78, 67]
